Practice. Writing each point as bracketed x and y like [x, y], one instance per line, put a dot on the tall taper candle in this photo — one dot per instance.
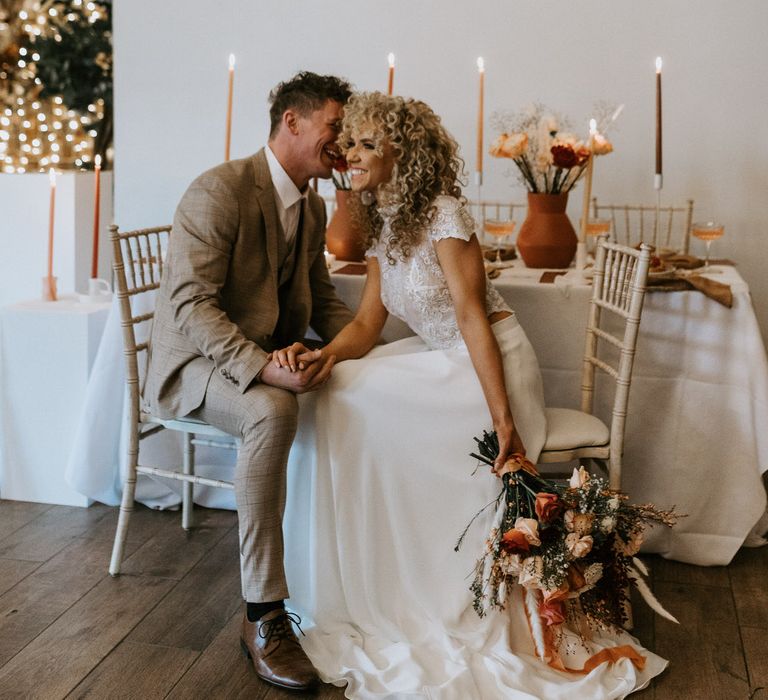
[480, 108]
[391, 81]
[50, 282]
[96, 208]
[228, 137]
[657, 179]
[588, 180]
[581, 249]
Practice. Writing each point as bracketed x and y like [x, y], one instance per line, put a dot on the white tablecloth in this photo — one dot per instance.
[696, 432]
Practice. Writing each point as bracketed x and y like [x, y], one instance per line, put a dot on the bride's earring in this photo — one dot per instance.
[367, 198]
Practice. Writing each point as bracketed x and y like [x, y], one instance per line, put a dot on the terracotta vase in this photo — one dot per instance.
[342, 237]
[547, 238]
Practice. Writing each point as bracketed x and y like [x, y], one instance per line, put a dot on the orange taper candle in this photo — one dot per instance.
[229, 105]
[391, 82]
[480, 116]
[96, 206]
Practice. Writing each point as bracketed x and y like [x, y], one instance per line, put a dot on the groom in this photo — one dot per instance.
[245, 276]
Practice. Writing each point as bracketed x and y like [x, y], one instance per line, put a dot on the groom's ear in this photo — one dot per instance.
[290, 121]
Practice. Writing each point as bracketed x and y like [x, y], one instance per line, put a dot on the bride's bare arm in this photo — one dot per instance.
[462, 264]
[357, 337]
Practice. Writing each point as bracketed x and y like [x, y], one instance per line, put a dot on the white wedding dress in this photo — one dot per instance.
[381, 485]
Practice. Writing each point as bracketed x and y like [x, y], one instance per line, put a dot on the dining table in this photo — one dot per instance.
[696, 436]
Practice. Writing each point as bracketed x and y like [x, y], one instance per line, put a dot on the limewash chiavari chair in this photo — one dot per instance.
[632, 224]
[138, 267]
[618, 290]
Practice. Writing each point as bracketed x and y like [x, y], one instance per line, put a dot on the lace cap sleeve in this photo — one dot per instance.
[452, 220]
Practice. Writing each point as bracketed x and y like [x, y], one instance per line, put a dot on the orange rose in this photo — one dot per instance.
[548, 506]
[515, 542]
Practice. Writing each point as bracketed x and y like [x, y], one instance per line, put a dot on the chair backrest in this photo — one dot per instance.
[137, 260]
[618, 288]
[485, 209]
[632, 224]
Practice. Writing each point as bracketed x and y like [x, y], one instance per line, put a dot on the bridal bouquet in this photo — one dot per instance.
[571, 548]
[550, 158]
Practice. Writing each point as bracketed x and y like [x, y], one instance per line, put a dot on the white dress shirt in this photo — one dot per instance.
[288, 197]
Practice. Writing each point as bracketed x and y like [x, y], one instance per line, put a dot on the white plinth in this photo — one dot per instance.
[46, 353]
[24, 232]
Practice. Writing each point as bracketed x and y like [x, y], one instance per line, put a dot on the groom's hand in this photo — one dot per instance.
[311, 376]
[295, 357]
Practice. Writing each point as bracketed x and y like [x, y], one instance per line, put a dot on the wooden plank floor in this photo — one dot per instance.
[168, 627]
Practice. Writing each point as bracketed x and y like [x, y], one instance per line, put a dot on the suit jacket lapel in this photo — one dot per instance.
[265, 192]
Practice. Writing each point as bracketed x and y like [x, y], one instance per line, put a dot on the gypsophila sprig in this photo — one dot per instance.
[570, 547]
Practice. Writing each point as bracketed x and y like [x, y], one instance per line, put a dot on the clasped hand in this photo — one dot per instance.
[298, 369]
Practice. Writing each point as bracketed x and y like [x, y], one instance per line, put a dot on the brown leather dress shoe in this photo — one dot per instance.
[277, 656]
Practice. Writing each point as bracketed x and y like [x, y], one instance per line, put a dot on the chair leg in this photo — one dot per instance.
[188, 467]
[126, 505]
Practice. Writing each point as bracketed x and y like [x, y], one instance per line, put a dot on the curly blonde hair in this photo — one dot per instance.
[426, 165]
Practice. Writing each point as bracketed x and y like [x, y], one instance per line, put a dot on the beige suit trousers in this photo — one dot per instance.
[264, 418]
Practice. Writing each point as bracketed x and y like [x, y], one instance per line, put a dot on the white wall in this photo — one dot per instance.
[171, 82]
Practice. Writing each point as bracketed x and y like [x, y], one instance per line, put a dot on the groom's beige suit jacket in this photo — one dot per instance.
[225, 299]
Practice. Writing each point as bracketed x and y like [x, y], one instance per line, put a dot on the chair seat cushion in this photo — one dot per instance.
[568, 429]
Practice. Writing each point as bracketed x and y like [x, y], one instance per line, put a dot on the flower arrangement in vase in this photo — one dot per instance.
[550, 161]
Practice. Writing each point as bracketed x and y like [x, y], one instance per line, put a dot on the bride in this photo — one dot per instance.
[381, 483]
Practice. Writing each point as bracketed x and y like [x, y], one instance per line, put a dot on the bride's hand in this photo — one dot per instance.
[509, 443]
[295, 356]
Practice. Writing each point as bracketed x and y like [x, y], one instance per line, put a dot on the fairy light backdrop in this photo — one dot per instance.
[55, 84]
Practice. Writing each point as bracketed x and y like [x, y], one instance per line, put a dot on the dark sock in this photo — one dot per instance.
[256, 611]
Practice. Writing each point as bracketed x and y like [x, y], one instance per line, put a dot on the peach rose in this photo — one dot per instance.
[548, 506]
[601, 146]
[530, 528]
[509, 146]
[578, 546]
[553, 613]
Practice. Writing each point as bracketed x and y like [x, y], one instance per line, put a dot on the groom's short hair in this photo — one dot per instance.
[305, 93]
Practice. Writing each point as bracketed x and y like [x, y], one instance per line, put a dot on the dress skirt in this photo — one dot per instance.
[380, 486]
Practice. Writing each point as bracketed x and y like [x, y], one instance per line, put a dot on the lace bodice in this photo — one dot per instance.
[415, 290]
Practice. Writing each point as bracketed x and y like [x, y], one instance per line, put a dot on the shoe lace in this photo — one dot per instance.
[278, 629]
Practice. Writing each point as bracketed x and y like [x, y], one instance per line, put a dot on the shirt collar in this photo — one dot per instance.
[286, 190]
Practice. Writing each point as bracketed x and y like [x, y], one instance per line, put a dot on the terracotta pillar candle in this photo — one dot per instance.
[96, 206]
[391, 82]
[229, 105]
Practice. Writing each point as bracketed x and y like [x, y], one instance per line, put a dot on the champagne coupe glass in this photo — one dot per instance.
[597, 227]
[499, 228]
[707, 231]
